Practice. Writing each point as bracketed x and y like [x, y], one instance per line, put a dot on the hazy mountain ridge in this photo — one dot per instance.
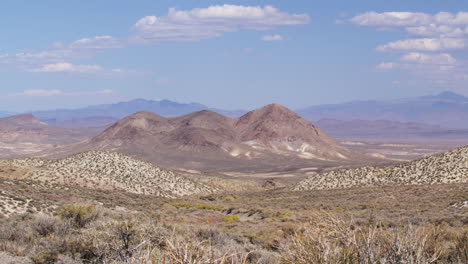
[385, 129]
[25, 128]
[445, 109]
[119, 110]
[447, 167]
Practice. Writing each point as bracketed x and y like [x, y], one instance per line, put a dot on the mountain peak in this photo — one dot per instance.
[145, 115]
[448, 95]
[23, 119]
[271, 112]
[276, 107]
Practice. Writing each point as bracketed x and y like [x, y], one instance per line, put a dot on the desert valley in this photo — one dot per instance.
[251, 186]
[233, 132]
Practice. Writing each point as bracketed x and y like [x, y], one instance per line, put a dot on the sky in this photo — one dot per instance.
[229, 54]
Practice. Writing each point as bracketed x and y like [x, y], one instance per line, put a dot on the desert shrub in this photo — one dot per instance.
[459, 248]
[198, 206]
[209, 207]
[230, 218]
[337, 240]
[44, 224]
[65, 259]
[45, 257]
[79, 214]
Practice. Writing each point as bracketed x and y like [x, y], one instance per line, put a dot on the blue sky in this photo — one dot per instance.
[229, 54]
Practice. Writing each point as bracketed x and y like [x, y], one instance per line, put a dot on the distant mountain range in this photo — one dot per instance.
[6, 113]
[25, 128]
[446, 109]
[385, 129]
[105, 114]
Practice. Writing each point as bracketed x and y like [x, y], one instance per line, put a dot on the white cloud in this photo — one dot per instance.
[38, 92]
[46, 93]
[177, 25]
[98, 42]
[425, 52]
[437, 68]
[275, 37]
[419, 61]
[391, 19]
[410, 19]
[68, 67]
[424, 44]
[55, 56]
[386, 66]
[433, 32]
[434, 59]
[204, 23]
[105, 91]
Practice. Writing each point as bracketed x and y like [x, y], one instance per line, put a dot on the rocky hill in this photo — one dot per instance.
[271, 130]
[207, 140]
[25, 128]
[281, 130]
[447, 167]
[107, 171]
[22, 120]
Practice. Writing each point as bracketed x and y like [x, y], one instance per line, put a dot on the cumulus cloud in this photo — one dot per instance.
[275, 37]
[425, 51]
[205, 23]
[68, 67]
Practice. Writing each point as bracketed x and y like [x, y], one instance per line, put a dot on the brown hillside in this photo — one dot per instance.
[207, 140]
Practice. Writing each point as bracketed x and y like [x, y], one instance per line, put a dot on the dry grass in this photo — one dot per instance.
[113, 236]
[336, 240]
[120, 237]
